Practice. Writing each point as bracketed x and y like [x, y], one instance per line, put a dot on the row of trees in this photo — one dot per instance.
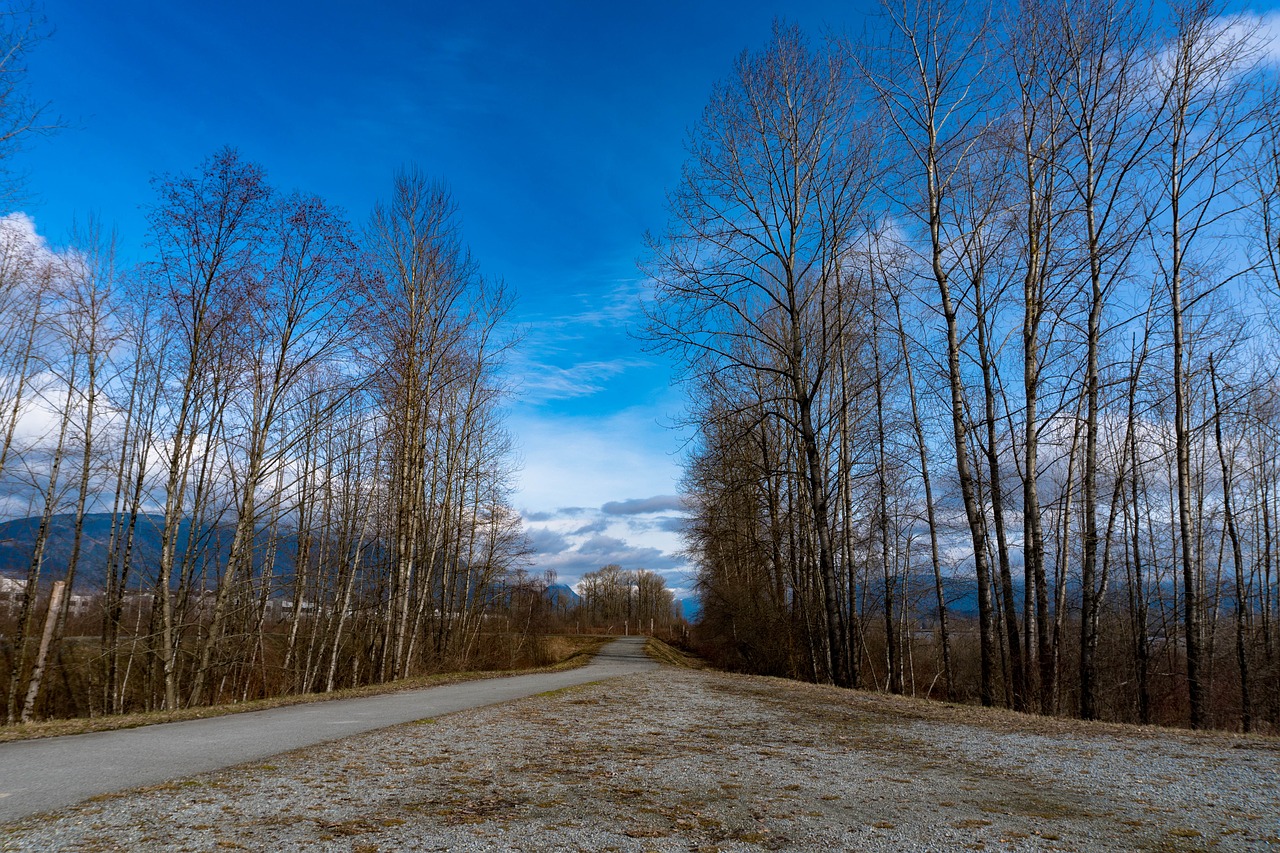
[981, 307]
[275, 414]
[625, 600]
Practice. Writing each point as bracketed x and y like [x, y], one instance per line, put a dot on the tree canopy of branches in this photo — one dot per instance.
[22, 28]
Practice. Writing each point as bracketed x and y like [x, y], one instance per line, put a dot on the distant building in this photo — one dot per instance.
[79, 604]
[282, 608]
[12, 592]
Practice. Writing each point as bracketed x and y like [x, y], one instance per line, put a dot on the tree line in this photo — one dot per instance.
[977, 310]
[626, 601]
[293, 429]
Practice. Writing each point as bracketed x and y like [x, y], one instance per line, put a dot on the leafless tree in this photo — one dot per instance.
[1204, 127]
[208, 228]
[746, 278]
[927, 75]
[22, 28]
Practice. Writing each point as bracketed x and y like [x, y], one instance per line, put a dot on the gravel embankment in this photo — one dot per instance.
[687, 760]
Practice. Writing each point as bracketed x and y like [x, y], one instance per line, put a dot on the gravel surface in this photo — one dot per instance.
[680, 759]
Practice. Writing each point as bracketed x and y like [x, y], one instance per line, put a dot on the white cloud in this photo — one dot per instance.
[26, 263]
[576, 486]
[588, 461]
[20, 243]
[1268, 34]
[1245, 38]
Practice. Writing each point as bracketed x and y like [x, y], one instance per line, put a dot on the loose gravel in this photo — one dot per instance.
[680, 759]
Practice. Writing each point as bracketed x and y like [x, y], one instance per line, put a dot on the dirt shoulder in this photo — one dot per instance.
[681, 759]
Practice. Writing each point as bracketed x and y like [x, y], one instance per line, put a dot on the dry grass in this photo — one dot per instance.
[1003, 720]
[664, 653]
[569, 652]
[563, 647]
[1006, 721]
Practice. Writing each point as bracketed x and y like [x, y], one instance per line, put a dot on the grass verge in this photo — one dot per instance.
[901, 709]
[664, 653]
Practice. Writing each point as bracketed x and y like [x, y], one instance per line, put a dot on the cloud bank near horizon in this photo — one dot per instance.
[644, 506]
[636, 533]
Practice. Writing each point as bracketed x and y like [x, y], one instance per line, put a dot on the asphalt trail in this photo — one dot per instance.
[51, 773]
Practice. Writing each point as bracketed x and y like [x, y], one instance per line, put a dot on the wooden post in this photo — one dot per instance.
[50, 623]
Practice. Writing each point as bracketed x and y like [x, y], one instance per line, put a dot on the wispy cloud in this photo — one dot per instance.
[562, 343]
[542, 382]
[592, 302]
[1248, 39]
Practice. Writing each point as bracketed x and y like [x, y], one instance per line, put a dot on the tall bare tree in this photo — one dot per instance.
[747, 275]
[927, 75]
[302, 292]
[207, 229]
[1204, 126]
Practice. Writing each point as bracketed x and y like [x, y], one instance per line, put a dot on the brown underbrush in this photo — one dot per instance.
[558, 651]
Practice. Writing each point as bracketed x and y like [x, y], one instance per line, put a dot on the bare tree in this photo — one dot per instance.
[425, 272]
[1108, 129]
[207, 229]
[927, 76]
[85, 288]
[296, 320]
[1037, 67]
[51, 494]
[747, 276]
[22, 28]
[926, 481]
[1204, 127]
[1237, 557]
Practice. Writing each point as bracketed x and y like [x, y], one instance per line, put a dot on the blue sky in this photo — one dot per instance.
[559, 127]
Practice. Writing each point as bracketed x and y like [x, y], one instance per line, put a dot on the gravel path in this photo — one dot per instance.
[684, 760]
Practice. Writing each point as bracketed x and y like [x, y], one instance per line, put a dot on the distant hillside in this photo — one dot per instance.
[17, 545]
[562, 595]
[959, 592]
[690, 609]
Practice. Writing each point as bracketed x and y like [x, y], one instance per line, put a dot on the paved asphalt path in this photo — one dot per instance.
[51, 773]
